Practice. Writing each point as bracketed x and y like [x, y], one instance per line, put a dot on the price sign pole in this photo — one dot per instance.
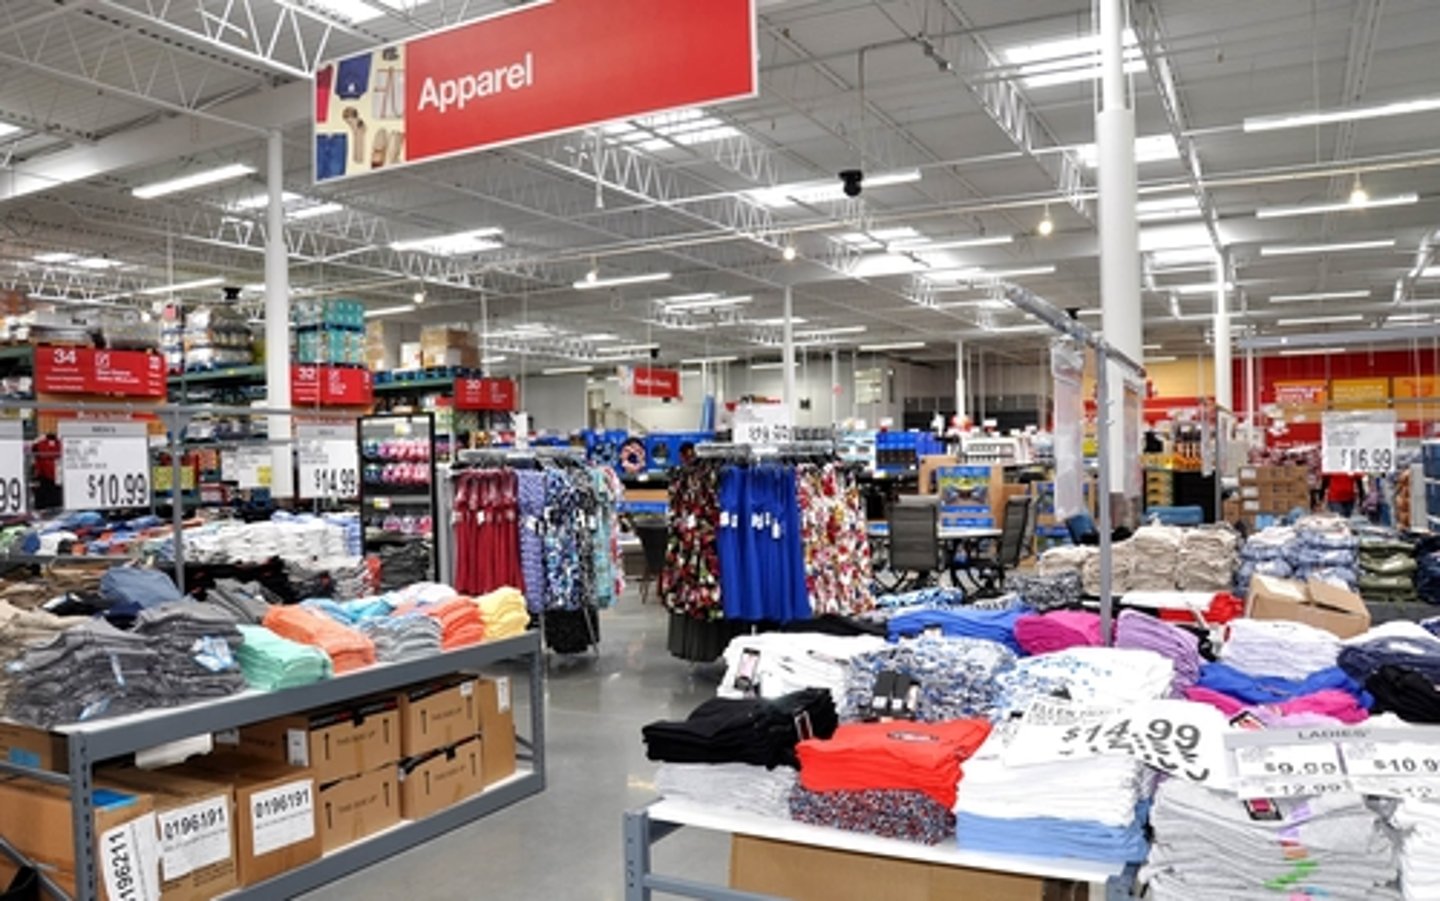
[14, 480]
[329, 462]
[1360, 441]
[105, 465]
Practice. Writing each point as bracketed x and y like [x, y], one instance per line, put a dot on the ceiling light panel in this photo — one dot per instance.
[591, 284]
[1343, 206]
[1321, 320]
[1282, 250]
[192, 181]
[1352, 114]
[1320, 295]
[1068, 60]
[708, 303]
[475, 240]
[1148, 149]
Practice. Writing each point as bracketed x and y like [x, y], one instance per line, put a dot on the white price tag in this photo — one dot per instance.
[1179, 738]
[1406, 761]
[762, 425]
[1056, 729]
[105, 465]
[282, 816]
[129, 861]
[1361, 441]
[194, 836]
[14, 481]
[248, 467]
[329, 462]
[1289, 771]
[502, 694]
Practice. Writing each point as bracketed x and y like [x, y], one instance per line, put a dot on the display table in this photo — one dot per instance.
[647, 825]
[90, 743]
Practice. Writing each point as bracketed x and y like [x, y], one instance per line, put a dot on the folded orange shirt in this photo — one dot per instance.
[459, 618]
[347, 649]
[923, 757]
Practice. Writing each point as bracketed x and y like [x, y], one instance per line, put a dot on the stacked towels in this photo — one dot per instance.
[1155, 558]
[503, 613]
[762, 733]
[403, 636]
[1208, 847]
[195, 645]
[1134, 629]
[271, 663]
[1064, 559]
[1057, 630]
[774, 664]
[347, 649]
[1281, 648]
[994, 625]
[88, 671]
[956, 677]
[1207, 559]
[729, 786]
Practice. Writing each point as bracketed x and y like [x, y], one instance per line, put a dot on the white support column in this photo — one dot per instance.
[277, 319]
[960, 383]
[834, 388]
[1224, 373]
[1119, 229]
[788, 356]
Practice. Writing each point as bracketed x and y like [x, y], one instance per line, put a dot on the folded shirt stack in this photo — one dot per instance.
[245, 602]
[1155, 557]
[1065, 559]
[86, 672]
[892, 756]
[774, 664]
[993, 625]
[1250, 689]
[762, 733]
[459, 618]
[729, 786]
[934, 598]
[1329, 705]
[1400, 644]
[910, 816]
[1410, 695]
[956, 677]
[1207, 847]
[1109, 676]
[23, 629]
[503, 613]
[1045, 633]
[404, 564]
[271, 663]
[1290, 650]
[1418, 823]
[403, 636]
[348, 649]
[196, 645]
[1207, 559]
[1041, 593]
[1134, 629]
[1120, 563]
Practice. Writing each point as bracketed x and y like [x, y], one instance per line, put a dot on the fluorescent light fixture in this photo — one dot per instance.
[193, 180]
[260, 201]
[590, 284]
[898, 345]
[1017, 329]
[6, 129]
[1195, 288]
[812, 192]
[1181, 256]
[1308, 351]
[877, 239]
[54, 257]
[476, 240]
[976, 274]
[1344, 206]
[761, 367]
[1163, 209]
[1161, 359]
[1408, 317]
[1321, 320]
[390, 311]
[1084, 314]
[709, 303]
[600, 338]
[184, 286]
[700, 361]
[1148, 149]
[1152, 347]
[684, 298]
[1429, 272]
[488, 361]
[1320, 295]
[828, 332]
[568, 370]
[98, 263]
[1068, 60]
[538, 328]
[1353, 114]
[925, 245]
[253, 288]
[316, 211]
[779, 321]
[1296, 249]
[627, 349]
[353, 10]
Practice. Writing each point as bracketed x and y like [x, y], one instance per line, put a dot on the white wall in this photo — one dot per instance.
[555, 403]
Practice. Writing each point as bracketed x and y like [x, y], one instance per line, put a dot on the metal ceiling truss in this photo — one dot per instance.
[57, 283]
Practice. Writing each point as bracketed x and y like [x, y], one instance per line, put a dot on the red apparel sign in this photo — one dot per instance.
[496, 395]
[331, 386]
[645, 382]
[87, 370]
[543, 69]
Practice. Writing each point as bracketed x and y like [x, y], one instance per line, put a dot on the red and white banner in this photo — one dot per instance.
[87, 370]
[542, 69]
[331, 386]
[497, 395]
[643, 381]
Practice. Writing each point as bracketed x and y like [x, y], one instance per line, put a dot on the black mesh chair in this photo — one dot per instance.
[914, 545]
[1017, 531]
[653, 539]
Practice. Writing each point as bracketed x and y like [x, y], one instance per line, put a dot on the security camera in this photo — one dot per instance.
[854, 182]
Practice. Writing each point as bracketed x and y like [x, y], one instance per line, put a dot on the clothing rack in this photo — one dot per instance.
[789, 451]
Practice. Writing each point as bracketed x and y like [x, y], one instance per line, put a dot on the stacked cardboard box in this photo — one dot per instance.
[1272, 491]
[448, 347]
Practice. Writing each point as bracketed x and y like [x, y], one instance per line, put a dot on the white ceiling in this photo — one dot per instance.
[111, 94]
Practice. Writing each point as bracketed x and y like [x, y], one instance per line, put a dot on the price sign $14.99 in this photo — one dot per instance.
[329, 481]
[329, 463]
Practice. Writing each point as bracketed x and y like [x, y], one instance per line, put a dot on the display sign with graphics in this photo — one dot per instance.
[85, 370]
[1360, 394]
[1358, 442]
[643, 381]
[104, 465]
[331, 386]
[1311, 394]
[541, 69]
[329, 462]
[494, 395]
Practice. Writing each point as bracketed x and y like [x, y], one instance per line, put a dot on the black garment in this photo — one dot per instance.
[1405, 693]
[761, 733]
[835, 624]
[24, 887]
[567, 631]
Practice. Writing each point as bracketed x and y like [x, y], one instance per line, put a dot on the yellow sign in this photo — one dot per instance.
[1415, 386]
[163, 476]
[1360, 394]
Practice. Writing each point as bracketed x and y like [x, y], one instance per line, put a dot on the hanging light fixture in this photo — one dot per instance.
[1358, 195]
[1046, 228]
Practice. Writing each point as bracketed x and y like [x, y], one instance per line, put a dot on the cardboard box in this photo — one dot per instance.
[440, 338]
[195, 822]
[435, 781]
[1336, 610]
[35, 818]
[497, 729]
[357, 807]
[807, 873]
[437, 715]
[410, 356]
[276, 822]
[1249, 474]
[1250, 492]
[334, 744]
[35, 748]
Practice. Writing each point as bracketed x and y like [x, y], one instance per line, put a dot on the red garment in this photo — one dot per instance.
[1342, 489]
[46, 452]
[923, 757]
[487, 532]
[348, 649]
[1223, 608]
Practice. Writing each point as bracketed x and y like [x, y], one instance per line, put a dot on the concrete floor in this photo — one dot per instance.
[566, 842]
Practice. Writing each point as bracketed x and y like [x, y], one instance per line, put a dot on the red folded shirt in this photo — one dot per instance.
[923, 757]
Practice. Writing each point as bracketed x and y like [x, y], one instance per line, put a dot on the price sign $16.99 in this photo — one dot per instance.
[1366, 459]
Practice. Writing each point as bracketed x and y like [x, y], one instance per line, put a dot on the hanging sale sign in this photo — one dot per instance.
[104, 465]
[85, 370]
[329, 462]
[14, 485]
[493, 395]
[643, 381]
[331, 386]
[1362, 441]
[527, 73]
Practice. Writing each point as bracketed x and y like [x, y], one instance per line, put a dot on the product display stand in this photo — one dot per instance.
[647, 825]
[102, 740]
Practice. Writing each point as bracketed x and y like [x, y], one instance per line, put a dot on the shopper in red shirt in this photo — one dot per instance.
[1340, 493]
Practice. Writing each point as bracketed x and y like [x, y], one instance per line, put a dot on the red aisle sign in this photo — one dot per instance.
[543, 69]
[87, 370]
[331, 386]
[642, 381]
[496, 395]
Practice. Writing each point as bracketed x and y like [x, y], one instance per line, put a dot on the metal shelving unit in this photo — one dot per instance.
[95, 742]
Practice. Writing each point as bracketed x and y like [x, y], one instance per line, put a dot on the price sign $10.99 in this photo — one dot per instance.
[329, 463]
[105, 465]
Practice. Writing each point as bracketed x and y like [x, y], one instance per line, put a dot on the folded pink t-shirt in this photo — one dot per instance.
[1046, 633]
